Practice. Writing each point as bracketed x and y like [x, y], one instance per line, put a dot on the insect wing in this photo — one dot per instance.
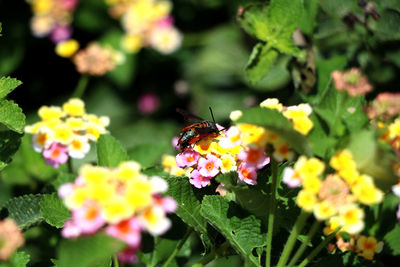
[188, 117]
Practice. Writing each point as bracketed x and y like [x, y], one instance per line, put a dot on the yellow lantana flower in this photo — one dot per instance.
[74, 107]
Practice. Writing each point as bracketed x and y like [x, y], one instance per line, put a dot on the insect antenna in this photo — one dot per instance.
[212, 115]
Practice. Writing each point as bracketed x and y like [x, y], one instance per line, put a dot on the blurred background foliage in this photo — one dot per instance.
[207, 71]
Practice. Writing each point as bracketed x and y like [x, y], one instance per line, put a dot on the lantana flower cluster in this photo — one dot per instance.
[52, 18]
[223, 154]
[241, 148]
[364, 246]
[122, 202]
[335, 197]
[97, 60]
[147, 23]
[65, 131]
[11, 238]
[351, 81]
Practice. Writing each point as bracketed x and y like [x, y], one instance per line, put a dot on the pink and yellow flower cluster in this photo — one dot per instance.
[65, 131]
[241, 148]
[95, 59]
[351, 81]
[52, 18]
[233, 150]
[11, 238]
[335, 197]
[121, 201]
[147, 23]
[364, 246]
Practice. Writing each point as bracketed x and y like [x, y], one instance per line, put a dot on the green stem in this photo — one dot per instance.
[178, 247]
[303, 246]
[69, 164]
[81, 86]
[341, 100]
[115, 261]
[215, 253]
[271, 215]
[318, 248]
[296, 230]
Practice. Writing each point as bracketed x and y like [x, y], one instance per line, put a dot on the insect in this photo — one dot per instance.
[197, 130]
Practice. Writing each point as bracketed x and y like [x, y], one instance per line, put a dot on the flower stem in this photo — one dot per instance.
[69, 164]
[178, 246]
[271, 215]
[298, 226]
[215, 253]
[115, 261]
[318, 248]
[81, 86]
[303, 246]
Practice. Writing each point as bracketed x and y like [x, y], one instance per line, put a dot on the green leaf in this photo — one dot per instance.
[242, 231]
[324, 69]
[319, 138]
[392, 239]
[189, 204]
[25, 210]
[9, 144]
[354, 117]
[18, 259]
[339, 8]
[11, 115]
[387, 26]
[1, 29]
[147, 154]
[372, 159]
[5, 192]
[308, 20]
[331, 109]
[7, 85]
[87, 251]
[276, 122]
[277, 78]
[274, 24]
[252, 200]
[28, 165]
[254, 21]
[260, 61]
[53, 210]
[109, 151]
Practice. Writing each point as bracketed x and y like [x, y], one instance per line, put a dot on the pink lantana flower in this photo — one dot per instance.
[56, 155]
[166, 22]
[70, 229]
[65, 190]
[148, 103]
[255, 157]
[398, 213]
[168, 204]
[209, 167]
[129, 254]
[247, 173]
[60, 33]
[231, 138]
[69, 4]
[127, 230]
[187, 158]
[88, 218]
[290, 178]
[198, 180]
